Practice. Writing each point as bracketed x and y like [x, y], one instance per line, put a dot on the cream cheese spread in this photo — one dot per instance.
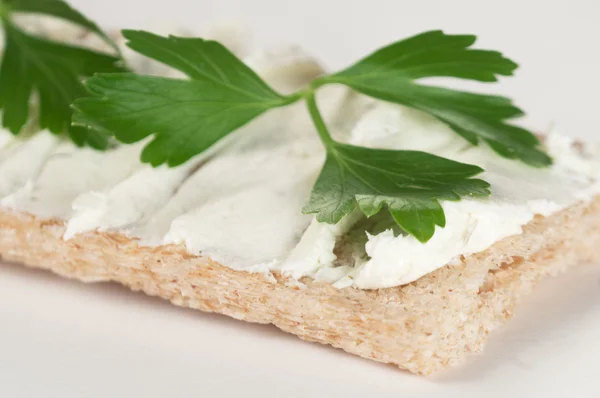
[68, 172]
[20, 161]
[6, 139]
[519, 193]
[241, 203]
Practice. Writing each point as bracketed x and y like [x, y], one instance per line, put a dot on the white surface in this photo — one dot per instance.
[64, 339]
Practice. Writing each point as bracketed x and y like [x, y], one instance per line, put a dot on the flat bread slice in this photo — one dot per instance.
[424, 327]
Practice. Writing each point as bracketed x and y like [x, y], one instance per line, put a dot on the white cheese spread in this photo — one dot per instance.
[241, 204]
[68, 172]
[6, 139]
[20, 161]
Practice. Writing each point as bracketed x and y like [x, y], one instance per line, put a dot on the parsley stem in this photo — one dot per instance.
[315, 114]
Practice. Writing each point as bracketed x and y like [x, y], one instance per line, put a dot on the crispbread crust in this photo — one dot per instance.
[423, 327]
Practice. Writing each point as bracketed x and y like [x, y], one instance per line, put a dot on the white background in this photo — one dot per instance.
[64, 339]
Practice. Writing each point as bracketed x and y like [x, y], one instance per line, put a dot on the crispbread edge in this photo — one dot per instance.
[424, 327]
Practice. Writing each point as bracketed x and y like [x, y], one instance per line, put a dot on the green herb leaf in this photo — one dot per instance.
[52, 70]
[186, 117]
[390, 73]
[409, 183]
[199, 59]
[83, 135]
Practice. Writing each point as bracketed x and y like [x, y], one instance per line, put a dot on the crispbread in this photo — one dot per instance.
[423, 327]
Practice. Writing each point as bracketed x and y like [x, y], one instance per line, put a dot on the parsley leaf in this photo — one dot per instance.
[86, 135]
[390, 73]
[186, 117]
[54, 71]
[409, 183]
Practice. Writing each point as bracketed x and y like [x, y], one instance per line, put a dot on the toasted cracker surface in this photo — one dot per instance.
[424, 327]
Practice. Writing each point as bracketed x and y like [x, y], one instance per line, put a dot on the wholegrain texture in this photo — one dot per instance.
[423, 327]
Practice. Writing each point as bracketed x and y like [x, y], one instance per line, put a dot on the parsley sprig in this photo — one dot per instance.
[186, 117]
[54, 71]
